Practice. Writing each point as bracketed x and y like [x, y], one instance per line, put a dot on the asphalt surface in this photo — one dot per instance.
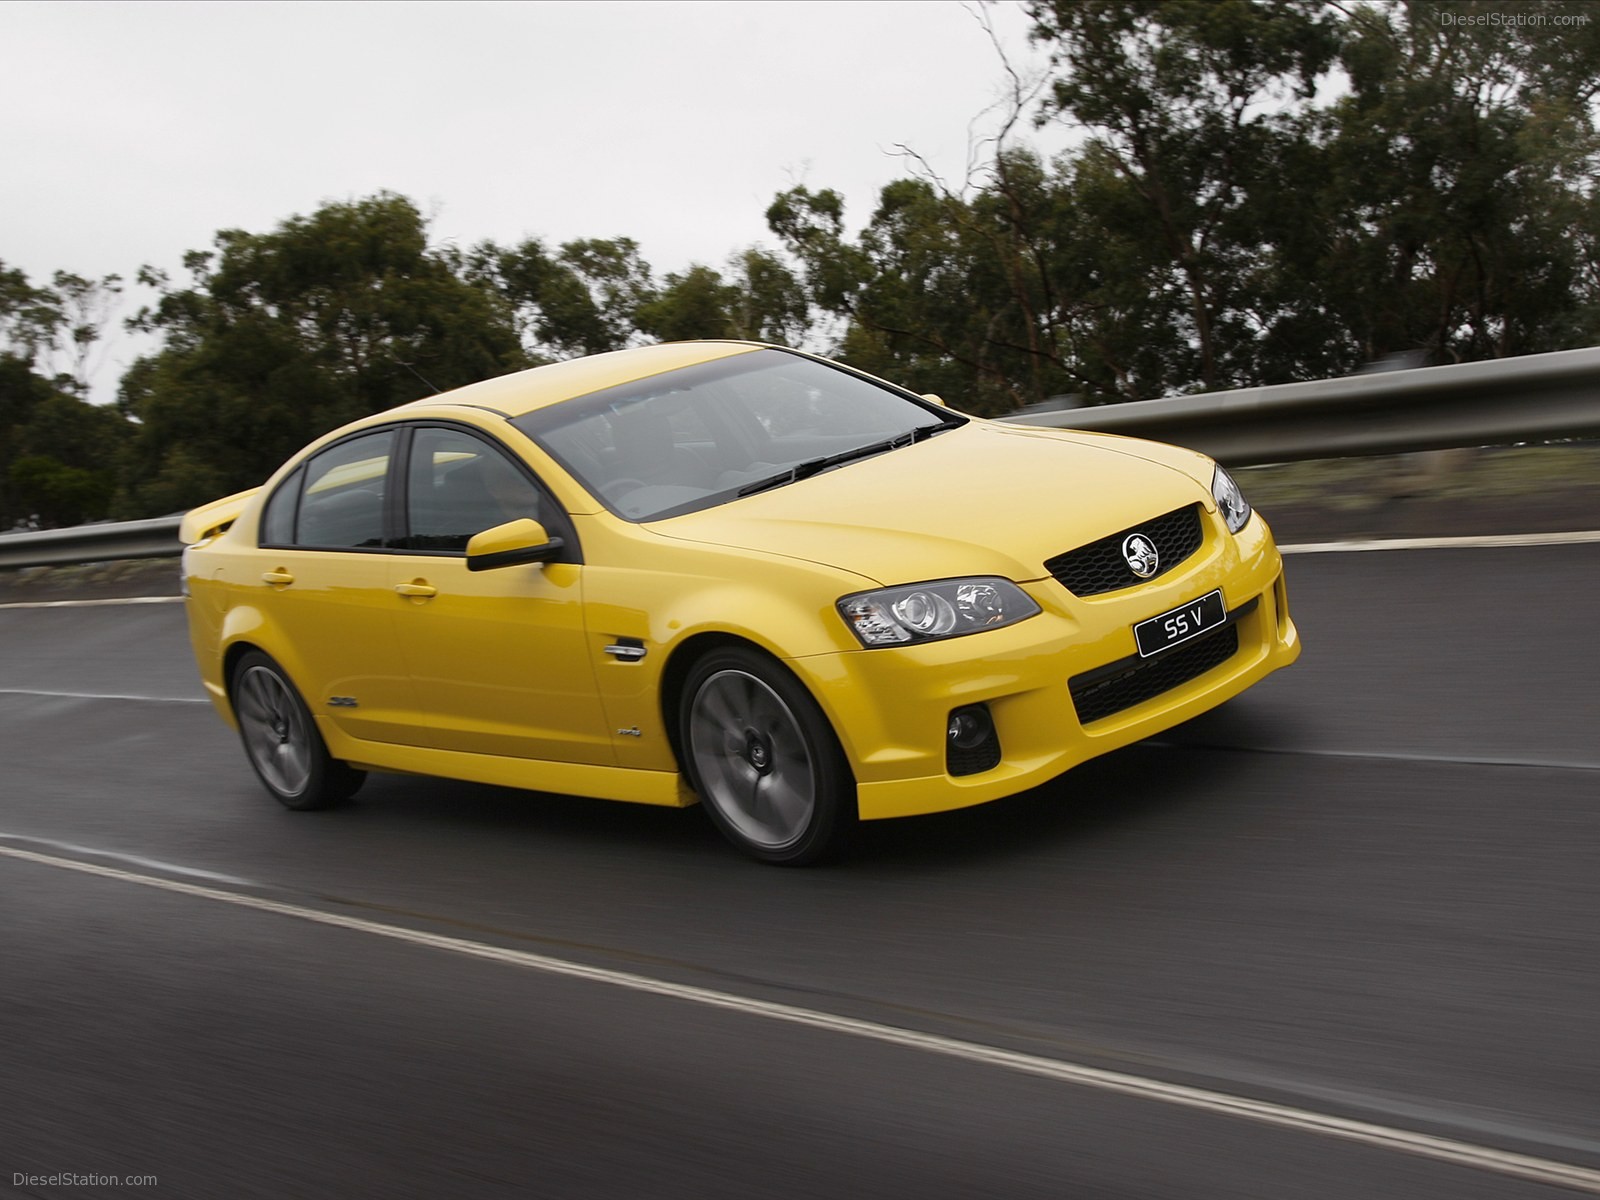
[1364, 892]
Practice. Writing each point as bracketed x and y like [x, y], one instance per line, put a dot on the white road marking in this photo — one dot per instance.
[1413, 756]
[93, 603]
[103, 696]
[1445, 543]
[134, 859]
[1484, 1158]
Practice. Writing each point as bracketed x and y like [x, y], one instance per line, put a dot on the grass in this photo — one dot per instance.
[1497, 489]
[1494, 471]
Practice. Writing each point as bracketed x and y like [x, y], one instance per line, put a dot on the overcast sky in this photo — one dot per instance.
[134, 131]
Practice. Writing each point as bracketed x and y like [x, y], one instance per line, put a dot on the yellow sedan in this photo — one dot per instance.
[726, 573]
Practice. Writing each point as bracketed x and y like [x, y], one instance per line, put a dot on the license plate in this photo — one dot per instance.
[1180, 625]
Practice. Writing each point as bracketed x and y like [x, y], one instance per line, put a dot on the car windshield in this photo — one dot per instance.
[709, 434]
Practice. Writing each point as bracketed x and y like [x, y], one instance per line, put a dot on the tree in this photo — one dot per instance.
[1184, 100]
[1222, 225]
[284, 335]
[21, 393]
[990, 300]
[769, 302]
[1123, 269]
[58, 453]
[86, 306]
[595, 295]
[54, 329]
[1461, 167]
[30, 317]
[583, 299]
[695, 303]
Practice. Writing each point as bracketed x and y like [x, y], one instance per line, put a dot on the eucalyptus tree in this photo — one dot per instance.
[759, 299]
[58, 452]
[1460, 170]
[1189, 107]
[580, 299]
[282, 335]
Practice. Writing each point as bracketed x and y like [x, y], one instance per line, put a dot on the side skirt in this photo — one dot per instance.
[572, 779]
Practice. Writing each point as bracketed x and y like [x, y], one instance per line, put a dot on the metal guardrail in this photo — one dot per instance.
[155, 538]
[1539, 397]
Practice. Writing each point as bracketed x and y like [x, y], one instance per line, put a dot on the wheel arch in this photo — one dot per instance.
[827, 777]
[680, 663]
[237, 649]
[245, 628]
[230, 660]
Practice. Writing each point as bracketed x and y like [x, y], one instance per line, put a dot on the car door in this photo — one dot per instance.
[498, 659]
[324, 588]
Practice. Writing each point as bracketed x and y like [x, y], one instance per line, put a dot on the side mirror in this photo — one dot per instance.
[934, 398]
[519, 541]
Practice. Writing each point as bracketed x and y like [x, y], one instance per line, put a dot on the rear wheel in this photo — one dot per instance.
[764, 760]
[281, 739]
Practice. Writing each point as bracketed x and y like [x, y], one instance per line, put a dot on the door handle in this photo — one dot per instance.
[418, 589]
[279, 577]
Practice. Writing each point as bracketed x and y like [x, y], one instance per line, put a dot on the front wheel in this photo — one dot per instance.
[281, 739]
[764, 760]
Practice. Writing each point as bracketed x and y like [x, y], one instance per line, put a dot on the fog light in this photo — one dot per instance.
[971, 743]
[969, 727]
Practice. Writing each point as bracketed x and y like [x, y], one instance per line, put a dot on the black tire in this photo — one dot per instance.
[282, 741]
[764, 760]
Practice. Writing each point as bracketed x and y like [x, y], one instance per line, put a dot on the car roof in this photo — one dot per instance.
[523, 392]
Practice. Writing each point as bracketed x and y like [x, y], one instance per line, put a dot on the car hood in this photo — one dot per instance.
[983, 499]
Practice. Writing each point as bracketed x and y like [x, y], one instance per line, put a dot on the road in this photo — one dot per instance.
[1339, 939]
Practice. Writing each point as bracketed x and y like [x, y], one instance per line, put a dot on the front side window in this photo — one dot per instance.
[341, 496]
[459, 485]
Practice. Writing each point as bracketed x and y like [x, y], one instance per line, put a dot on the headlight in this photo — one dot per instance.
[925, 612]
[1230, 500]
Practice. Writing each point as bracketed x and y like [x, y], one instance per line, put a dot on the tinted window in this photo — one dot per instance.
[460, 485]
[704, 435]
[342, 501]
[277, 521]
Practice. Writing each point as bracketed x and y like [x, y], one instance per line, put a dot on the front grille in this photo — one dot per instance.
[1100, 567]
[1106, 691]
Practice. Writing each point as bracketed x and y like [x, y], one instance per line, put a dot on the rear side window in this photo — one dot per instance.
[335, 501]
[277, 521]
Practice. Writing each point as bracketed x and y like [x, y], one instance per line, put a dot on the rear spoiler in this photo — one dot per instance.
[211, 519]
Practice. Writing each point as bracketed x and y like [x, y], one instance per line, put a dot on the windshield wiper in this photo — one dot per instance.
[927, 431]
[813, 466]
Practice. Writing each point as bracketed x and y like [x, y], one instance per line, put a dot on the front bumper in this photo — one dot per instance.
[891, 706]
